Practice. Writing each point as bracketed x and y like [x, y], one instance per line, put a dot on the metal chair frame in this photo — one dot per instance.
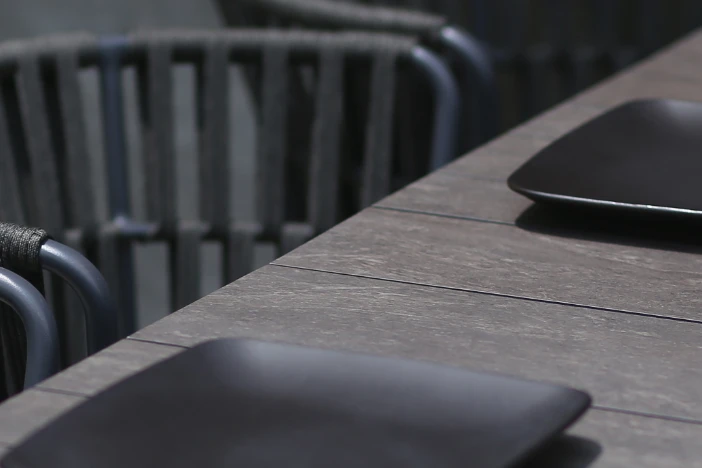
[39, 323]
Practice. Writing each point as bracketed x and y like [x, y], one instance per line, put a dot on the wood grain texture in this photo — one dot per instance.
[452, 193]
[32, 409]
[627, 441]
[509, 261]
[626, 361]
[109, 366]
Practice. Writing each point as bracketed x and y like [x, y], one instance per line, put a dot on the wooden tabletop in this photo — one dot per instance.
[457, 269]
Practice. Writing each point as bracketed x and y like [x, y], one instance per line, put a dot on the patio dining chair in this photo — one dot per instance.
[29, 343]
[471, 62]
[543, 51]
[43, 151]
[29, 252]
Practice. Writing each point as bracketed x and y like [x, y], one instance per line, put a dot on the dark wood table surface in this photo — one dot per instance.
[457, 269]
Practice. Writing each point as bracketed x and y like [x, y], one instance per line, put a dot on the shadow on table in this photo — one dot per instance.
[658, 232]
[566, 451]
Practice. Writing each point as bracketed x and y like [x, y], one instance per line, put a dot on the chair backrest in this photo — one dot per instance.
[552, 49]
[473, 68]
[547, 50]
[46, 176]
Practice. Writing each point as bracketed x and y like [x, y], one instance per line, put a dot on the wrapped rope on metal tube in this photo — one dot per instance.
[30, 337]
[19, 252]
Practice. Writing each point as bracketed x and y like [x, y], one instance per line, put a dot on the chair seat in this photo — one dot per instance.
[246, 403]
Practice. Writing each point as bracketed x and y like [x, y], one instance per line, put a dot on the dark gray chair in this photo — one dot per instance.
[472, 64]
[29, 340]
[45, 171]
[547, 50]
[30, 336]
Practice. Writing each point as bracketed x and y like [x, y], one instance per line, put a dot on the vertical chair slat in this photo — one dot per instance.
[157, 133]
[213, 127]
[605, 31]
[690, 15]
[649, 25]
[560, 29]
[479, 20]
[239, 249]
[47, 209]
[213, 139]
[512, 24]
[559, 23]
[539, 65]
[579, 57]
[159, 158]
[212, 102]
[65, 117]
[79, 189]
[272, 139]
[45, 205]
[378, 149]
[581, 63]
[323, 195]
[10, 194]
[117, 266]
[114, 259]
[71, 321]
[185, 263]
[112, 100]
[294, 235]
[605, 14]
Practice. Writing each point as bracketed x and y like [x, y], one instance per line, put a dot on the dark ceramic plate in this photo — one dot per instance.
[641, 157]
[232, 403]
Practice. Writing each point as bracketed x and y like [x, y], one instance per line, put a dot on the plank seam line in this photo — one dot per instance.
[442, 215]
[493, 294]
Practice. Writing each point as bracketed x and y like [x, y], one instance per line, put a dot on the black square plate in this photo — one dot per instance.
[642, 157]
[234, 403]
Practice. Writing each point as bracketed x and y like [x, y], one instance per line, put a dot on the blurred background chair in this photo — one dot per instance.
[31, 343]
[471, 64]
[29, 252]
[543, 50]
[548, 50]
[307, 181]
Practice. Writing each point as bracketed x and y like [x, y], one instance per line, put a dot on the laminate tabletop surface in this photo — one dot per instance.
[458, 269]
